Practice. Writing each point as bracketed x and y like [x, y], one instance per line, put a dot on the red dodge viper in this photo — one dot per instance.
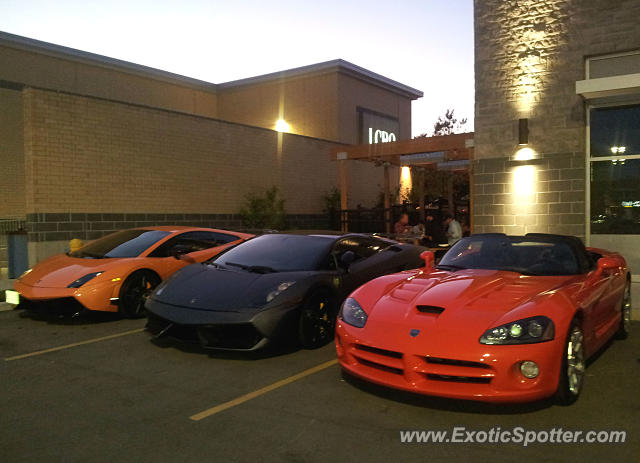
[499, 319]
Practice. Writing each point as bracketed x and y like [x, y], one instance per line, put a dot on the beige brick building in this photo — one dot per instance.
[90, 144]
[557, 96]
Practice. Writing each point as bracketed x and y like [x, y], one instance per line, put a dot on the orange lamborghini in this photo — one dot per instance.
[117, 272]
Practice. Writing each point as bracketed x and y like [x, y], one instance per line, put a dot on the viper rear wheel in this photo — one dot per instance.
[625, 320]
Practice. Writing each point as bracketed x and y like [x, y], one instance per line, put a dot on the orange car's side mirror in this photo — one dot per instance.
[429, 259]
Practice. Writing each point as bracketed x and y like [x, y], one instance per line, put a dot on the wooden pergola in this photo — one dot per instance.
[448, 152]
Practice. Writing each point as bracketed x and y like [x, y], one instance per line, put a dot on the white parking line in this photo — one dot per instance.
[257, 393]
[75, 344]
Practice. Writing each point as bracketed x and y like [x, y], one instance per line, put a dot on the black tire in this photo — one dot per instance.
[625, 321]
[573, 367]
[317, 322]
[134, 293]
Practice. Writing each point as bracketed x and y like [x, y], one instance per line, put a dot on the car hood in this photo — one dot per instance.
[206, 287]
[472, 301]
[61, 270]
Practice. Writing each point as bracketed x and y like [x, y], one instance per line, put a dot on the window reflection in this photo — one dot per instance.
[615, 131]
[615, 196]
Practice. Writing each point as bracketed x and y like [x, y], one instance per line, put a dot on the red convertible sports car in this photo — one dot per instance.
[499, 319]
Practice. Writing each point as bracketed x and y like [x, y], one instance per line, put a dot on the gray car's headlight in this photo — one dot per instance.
[352, 313]
[82, 280]
[279, 289]
[526, 331]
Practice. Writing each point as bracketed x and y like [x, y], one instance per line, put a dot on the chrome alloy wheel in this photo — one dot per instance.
[626, 309]
[575, 360]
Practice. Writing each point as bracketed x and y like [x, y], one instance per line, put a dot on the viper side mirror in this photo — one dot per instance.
[429, 259]
[606, 263]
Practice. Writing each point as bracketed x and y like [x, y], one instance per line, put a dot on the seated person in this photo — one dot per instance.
[402, 225]
[433, 234]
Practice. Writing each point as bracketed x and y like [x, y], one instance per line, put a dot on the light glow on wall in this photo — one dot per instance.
[536, 29]
[524, 182]
[282, 126]
[405, 182]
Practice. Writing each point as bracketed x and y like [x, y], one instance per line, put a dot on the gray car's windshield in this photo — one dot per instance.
[522, 254]
[277, 253]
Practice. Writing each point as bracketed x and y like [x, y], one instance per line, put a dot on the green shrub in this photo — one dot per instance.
[264, 211]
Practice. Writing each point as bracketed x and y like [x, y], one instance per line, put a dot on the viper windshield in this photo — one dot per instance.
[529, 255]
[277, 253]
[126, 243]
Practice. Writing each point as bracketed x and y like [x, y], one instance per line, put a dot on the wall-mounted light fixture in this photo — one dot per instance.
[282, 126]
[523, 132]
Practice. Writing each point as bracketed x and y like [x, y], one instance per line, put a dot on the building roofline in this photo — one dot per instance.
[339, 65]
[73, 54]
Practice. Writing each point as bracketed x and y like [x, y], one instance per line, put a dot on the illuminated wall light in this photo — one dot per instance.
[525, 154]
[618, 149]
[405, 182]
[282, 126]
[524, 181]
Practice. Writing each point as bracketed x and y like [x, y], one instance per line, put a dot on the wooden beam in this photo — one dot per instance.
[343, 180]
[457, 144]
[387, 199]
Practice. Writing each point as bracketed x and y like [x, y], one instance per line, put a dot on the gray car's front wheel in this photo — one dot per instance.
[317, 319]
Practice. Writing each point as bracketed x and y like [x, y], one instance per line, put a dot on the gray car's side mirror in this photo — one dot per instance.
[346, 259]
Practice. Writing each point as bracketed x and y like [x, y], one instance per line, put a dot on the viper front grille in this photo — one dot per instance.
[457, 363]
[459, 379]
[381, 367]
[376, 350]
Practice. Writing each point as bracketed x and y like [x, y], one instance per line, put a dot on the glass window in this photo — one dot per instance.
[615, 182]
[280, 253]
[529, 255]
[615, 197]
[615, 131]
[126, 243]
[195, 240]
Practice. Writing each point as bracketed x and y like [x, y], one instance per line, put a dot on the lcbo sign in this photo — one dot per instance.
[380, 136]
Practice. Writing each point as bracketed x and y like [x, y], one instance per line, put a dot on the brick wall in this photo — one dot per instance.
[529, 54]
[12, 203]
[84, 154]
[93, 166]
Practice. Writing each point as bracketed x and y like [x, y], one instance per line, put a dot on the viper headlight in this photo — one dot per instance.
[352, 313]
[82, 280]
[526, 331]
[279, 289]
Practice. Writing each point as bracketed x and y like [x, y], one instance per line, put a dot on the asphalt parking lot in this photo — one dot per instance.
[97, 389]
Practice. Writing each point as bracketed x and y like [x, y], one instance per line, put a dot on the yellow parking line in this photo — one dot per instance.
[75, 344]
[252, 395]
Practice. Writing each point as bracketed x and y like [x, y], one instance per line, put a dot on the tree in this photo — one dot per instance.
[446, 125]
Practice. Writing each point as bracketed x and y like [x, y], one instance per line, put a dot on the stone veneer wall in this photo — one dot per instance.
[528, 56]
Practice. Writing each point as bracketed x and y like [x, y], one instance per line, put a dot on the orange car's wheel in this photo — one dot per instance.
[134, 292]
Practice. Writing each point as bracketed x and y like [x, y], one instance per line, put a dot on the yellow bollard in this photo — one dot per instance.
[75, 244]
